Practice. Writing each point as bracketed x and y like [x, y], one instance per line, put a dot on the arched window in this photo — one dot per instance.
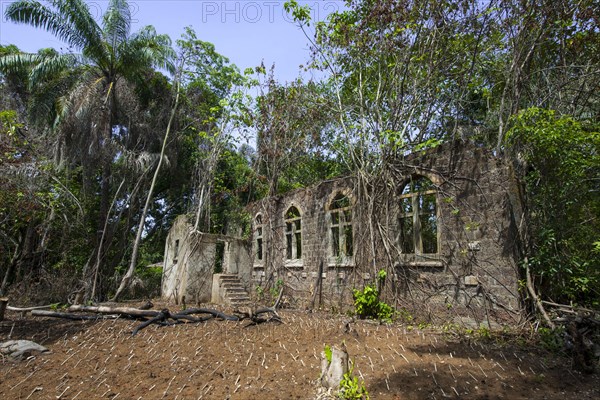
[340, 212]
[293, 234]
[418, 217]
[258, 238]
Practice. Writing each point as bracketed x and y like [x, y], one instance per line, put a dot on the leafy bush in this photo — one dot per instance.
[351, 388]
[367, 304]
[561, 159]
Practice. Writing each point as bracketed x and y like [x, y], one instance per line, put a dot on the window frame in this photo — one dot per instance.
[258, 244]
[340, 218]
[292, 236]
[416, 198]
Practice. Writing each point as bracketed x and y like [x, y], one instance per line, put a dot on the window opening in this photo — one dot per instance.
[293, 234]
[219, 257]
[259, 238]
[418, 218]
[176, 251]
[341, 226]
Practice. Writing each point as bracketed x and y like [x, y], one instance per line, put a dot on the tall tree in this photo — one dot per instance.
[110, 60]
[214, 92]
[295, 127]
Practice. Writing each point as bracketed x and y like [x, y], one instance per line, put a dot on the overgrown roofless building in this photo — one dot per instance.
[442, 231]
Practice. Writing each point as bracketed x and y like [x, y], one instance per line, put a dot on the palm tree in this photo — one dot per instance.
[106, 58]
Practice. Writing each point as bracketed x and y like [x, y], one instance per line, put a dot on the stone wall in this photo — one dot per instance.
[478, 277]
[473, 275]
[191, 258]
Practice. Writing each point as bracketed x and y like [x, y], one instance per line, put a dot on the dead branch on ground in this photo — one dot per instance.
[163, 317]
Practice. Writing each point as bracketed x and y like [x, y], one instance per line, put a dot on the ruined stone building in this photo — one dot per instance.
[193, 260]
[440, 226]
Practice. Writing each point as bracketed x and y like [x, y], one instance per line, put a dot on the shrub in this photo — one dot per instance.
[559, 158]
[367, 304]
[351, 388]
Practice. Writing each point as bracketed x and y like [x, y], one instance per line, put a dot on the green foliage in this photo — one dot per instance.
[404, 315]
[423, 325]
[260, 292]
[92, 179]
[351, 388]
[367, 304]
[273, 292]
[9, 123]
[276, 288]
[483, 332]
[328, 353]
[234, 186]
[150, 279]
[58, 306]
[295, 129]
[562, 157]
[300, 14]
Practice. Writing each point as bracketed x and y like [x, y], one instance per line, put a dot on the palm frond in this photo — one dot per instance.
[47, 101]
[43, 103]
[37, 15]
[17, 63]
[85, 96]
[48, 67]
[147, 49]
[116, 23]
[86, 32]
[62, 106]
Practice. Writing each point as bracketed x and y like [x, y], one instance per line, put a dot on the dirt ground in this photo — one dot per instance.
[229, 360]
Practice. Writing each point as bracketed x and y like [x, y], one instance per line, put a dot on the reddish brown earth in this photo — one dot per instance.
[227, 360]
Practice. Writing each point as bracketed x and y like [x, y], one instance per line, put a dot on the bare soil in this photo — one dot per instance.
[230, 360]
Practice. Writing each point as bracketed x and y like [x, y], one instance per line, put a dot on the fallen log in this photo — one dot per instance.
[25, 309]
[162, 317]
[4, 306]
[214, 313]
[128, 311]
[76, 317]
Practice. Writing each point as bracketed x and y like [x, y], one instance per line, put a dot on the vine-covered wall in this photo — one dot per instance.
[438, 222]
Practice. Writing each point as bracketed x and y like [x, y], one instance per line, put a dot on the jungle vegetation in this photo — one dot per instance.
[81, 132]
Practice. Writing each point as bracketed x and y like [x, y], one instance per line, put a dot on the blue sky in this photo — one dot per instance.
[247, 32]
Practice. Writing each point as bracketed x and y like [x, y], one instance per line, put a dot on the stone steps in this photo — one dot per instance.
[233, 292]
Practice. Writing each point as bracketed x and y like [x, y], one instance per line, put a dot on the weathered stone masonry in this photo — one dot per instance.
[442, 230]
[193, 258]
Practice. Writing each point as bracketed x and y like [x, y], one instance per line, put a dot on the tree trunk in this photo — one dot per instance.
[136, 245]
[9, 271]
[103, 210]
[3, 302]
[333, 367]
